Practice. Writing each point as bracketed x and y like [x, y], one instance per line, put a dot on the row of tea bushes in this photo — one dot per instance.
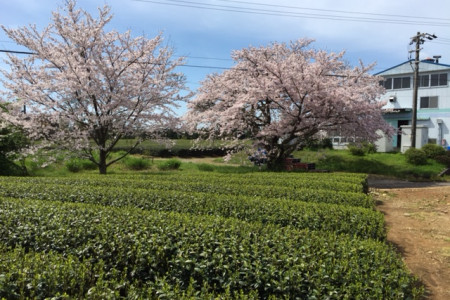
[202, 255]
[26, 274]
[346, 183]
[212, 187]
[358, 221]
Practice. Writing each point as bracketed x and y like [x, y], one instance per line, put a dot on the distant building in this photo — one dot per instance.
[433, 104]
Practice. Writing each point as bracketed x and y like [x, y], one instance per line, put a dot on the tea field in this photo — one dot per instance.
[204, 235]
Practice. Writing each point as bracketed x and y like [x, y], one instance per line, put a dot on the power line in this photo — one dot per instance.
[184, 65]
[185, 56]
[332, 10]
[247, 10]
[17, 52]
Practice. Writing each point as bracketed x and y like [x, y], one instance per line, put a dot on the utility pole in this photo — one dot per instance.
[418, 39]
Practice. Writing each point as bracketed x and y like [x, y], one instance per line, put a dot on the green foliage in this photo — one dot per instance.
[433, 150]
[361, 149]
[9, 168]
[88, 165]
[356, 149]
[390, 164]
[359, 221]
[205, 167]
[12, 139]
[75, 165]
[444, 159]
[27, 274]
[136, 163]
[170, 164]
[416, 156]
[164, 254]
[268, 185]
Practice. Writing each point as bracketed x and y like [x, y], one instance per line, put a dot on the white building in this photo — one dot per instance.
[433, 105]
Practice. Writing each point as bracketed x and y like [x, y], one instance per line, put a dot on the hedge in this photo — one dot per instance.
[207, 254]
[213, 187]
[362, 222]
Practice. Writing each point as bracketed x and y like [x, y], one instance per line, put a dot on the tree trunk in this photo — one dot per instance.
[102, 162]
[275, 162]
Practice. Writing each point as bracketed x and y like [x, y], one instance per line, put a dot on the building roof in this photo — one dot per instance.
[428, 65]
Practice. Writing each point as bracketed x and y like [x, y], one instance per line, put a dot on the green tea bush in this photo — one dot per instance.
[433, 150]
[206, 184]
[358, 221]
[170, 164]
[416, 156]
[207, 254]
[42, 275]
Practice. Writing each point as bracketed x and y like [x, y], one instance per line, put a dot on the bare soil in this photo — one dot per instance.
[418, 223]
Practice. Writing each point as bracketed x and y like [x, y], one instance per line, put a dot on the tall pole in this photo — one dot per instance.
[418, 39]
[415, 91]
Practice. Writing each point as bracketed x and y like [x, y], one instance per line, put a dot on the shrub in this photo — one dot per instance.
[370, 148]
[360, 149]
[88, 165]
[285, 262]
[74, 165]
[356, 150]
[8, 167]
[433, 150]
[416, 156]
[171, 164]
[444, 159]
[136, 163]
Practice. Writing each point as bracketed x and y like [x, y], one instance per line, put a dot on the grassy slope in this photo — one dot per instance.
[389, 164]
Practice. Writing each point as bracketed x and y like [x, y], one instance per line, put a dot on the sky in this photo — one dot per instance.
[207, 31]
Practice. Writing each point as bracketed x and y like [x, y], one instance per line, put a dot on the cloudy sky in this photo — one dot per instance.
[207, 31]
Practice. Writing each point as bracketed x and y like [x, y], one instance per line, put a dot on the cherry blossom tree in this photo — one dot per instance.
[284, 94]
[85, 88]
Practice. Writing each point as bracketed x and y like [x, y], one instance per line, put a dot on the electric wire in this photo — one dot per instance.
[330, 10]
[240, 9]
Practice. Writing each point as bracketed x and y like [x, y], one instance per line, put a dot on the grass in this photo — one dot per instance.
[388, 164]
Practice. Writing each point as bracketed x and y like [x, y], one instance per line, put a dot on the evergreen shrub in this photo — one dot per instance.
[416, 156]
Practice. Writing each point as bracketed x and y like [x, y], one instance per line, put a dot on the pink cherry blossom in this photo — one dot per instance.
[85, 88]
[284, 94]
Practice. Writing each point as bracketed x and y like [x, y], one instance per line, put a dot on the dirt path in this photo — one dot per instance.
[418, 224]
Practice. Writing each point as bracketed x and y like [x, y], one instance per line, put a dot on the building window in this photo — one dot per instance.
[433, 80]
[396, 83]
[402, 82]
[429, 102]
[424, 80]
[438, 79]
[387, 83]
